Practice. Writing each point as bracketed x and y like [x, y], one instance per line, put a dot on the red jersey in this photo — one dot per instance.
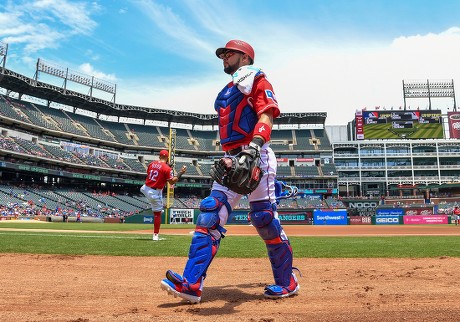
[239, 113]
[158, 173]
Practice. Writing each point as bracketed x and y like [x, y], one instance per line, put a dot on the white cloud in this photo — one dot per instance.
[44, 24]
[88, 69]
[175, 28]
[340, 81]
[75, 15]
[337, 80]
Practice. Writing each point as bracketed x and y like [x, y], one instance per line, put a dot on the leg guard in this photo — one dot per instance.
[279, 250]
[203, 248]
[204, 245]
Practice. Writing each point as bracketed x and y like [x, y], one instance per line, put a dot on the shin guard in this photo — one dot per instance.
[279, 250]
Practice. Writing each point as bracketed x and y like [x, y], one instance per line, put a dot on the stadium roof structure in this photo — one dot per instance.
[21, 84]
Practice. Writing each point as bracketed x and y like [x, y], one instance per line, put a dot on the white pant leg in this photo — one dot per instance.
[266, 188]
[154, 197]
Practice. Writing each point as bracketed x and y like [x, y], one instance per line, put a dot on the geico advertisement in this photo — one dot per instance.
[387, 220]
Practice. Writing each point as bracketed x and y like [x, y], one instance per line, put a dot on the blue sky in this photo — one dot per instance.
[321, 56]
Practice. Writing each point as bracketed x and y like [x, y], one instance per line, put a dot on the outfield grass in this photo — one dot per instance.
[132, 244]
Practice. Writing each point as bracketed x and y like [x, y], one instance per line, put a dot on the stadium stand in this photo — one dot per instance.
[306, 171]
[60, 154]
[34, 115]
[146, 135]
[135, 165]
[7, 109]
[121, 132]
[303, 140]
[207, 140]
[284, 171]
[92, 127]
[7, 143]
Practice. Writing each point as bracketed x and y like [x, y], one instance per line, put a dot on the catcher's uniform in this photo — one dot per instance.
[239, 106]
[238, 114]
[158, 173]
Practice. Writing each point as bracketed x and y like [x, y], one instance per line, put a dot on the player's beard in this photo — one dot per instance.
[231, 69]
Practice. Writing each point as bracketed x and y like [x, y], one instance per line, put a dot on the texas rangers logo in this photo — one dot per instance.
[271, 95]
[262, 129]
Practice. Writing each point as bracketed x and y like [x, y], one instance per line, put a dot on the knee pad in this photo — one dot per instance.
[210, 207]
[263, 218]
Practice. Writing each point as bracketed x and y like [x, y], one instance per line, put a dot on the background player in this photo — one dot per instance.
[158, 173]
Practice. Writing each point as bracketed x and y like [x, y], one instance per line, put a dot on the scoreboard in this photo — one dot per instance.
[420, 124]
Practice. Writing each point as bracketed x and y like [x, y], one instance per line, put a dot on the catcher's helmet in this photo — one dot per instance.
[238, 45]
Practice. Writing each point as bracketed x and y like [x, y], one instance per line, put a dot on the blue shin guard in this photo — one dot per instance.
[278, 248]
[203, 248]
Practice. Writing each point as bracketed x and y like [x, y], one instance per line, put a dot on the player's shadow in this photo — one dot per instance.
[232, 295]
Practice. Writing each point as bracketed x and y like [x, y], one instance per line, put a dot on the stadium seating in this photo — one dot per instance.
[147, 135]
[6, 109]
[306, 171]
[120, 131]
[34, 115]
[7, 143]
[61, 154]
[134, 165]
[92, 127]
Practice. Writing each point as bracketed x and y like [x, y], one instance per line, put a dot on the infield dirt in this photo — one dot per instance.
[100, 288]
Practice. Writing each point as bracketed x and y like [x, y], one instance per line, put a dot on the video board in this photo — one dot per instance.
[426, 124]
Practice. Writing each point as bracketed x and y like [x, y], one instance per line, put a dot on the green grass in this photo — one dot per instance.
[83, 226]
[420, 131]
[132, 244]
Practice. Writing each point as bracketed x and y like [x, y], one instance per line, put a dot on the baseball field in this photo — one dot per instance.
[112, 272]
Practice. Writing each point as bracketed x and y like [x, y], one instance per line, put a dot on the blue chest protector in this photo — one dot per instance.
[236, 121]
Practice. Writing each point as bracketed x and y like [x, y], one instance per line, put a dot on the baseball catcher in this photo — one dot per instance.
[246, 108]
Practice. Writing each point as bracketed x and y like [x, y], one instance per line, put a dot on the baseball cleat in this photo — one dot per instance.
[177, 286]
[276, 291]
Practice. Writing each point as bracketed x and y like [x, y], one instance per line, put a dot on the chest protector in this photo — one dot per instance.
[237, 118]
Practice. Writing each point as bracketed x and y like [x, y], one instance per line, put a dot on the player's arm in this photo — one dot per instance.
[263, 128]
[178, 176]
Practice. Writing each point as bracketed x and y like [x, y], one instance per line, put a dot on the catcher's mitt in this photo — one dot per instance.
[241, 173]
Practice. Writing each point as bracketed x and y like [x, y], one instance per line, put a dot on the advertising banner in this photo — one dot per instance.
[330, 217]
[181, 216]
[148, 219]
[420, 220]
[286, 217]
[390, 211]
[359, 121]
[238, 217]
[387, 220]
[296, 218]
[360, 220]
[418, 211]
[454, 124]
[360, 207]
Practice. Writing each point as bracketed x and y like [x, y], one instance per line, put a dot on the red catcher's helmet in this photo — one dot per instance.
[238, 45]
